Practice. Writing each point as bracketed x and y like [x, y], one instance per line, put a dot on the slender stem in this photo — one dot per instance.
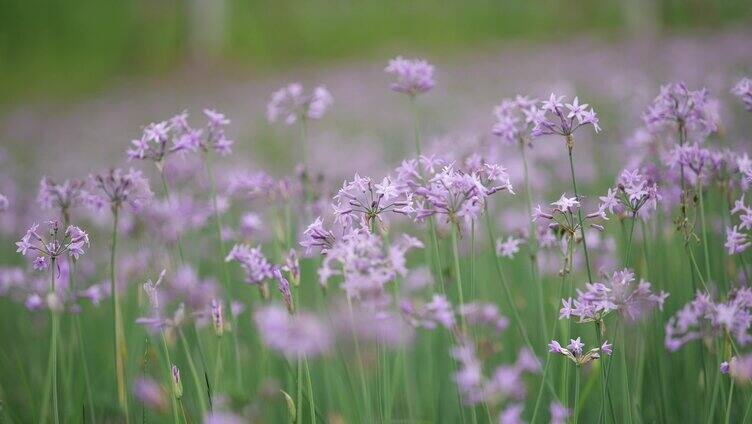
[166, 189]
[299, 391]
[533, 244]
[457, 272]
[625, 388]
[194, 373]
[575, 408]
[704, 232]
[54, 344]
[579, 216]
[84, 363]
[730, 399]
[117, 321]
[311, 403]
[168, 364]
[223, 265]
[629, 241]
[416, 124]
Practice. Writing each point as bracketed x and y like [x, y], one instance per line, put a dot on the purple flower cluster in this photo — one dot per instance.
[515, 120]
[633, 195]
[454, 193]
[257, 268]
[291, 104]
[413, 76]
[576, 353]
[618, 292]
[295, 336]
[73, 242]
[743, 90]
[63, 196]
[736, 240]
[154, 143]
[553, 118]
[117, 188]
[703, 319]
[677, 105]
[362, 201]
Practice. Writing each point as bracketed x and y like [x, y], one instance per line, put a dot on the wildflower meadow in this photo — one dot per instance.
[567, 259]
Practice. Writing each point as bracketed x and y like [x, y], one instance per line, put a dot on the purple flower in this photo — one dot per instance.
[554, 119]
[704, 319]
[740, 368]
[559, 413]
[291, 104]
[117, 187]
[743, 90]
[515, 120]
[177, 384]
[508, 248]
[576, 353]
[487, 314]
[618, 292]
[150, 393]
[512, 414]
[428, 315]
[317, 236]
[64, 196]
[217, 317]
[677, 105]
[736, 242]
[72, 242]
[4, 203]
[293, 336]
[413, 76]
[725, 367]
[284, 288]
[363, 200]
[257, 268]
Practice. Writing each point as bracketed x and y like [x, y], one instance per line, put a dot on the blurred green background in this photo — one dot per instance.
[55, 49]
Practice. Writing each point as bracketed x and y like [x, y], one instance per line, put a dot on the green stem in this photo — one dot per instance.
[704, 232]
[311, 403]
[54, 344]
[625, 382]
[579, 216]
[730, 399]
[533, 245]
[575, 411]
[84, 363]
[457, 271]
[117, 321]
[223, 265]
[194, 373]
[166, 189]
[173, 398]
[629, 242]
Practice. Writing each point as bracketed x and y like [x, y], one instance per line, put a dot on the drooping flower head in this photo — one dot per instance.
[257, 268]
[743, 90]
[291, 104]
[317, 236]
[413, 76]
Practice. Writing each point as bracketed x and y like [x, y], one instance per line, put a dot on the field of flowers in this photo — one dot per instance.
[578, 255]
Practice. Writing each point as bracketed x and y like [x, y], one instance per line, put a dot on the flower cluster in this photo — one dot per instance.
[553, 118]
[697, 162]
[364, 265]
[291, 104]
[618, 292]
[575, 351]
[154, 143]
[743, 90]
[295, 336]
[73, 242]
[739, 368]
[505, 381]
[509, 247]
[677, 105]
[515, 120]
[429, 315]
[364, 201]
[414, 76]
[118, 188]
[633, 195]
[563, 217]
[257, 268]
[457, 194]
[702, 318]
[736, 240]
[63, 196]
[317, 236]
